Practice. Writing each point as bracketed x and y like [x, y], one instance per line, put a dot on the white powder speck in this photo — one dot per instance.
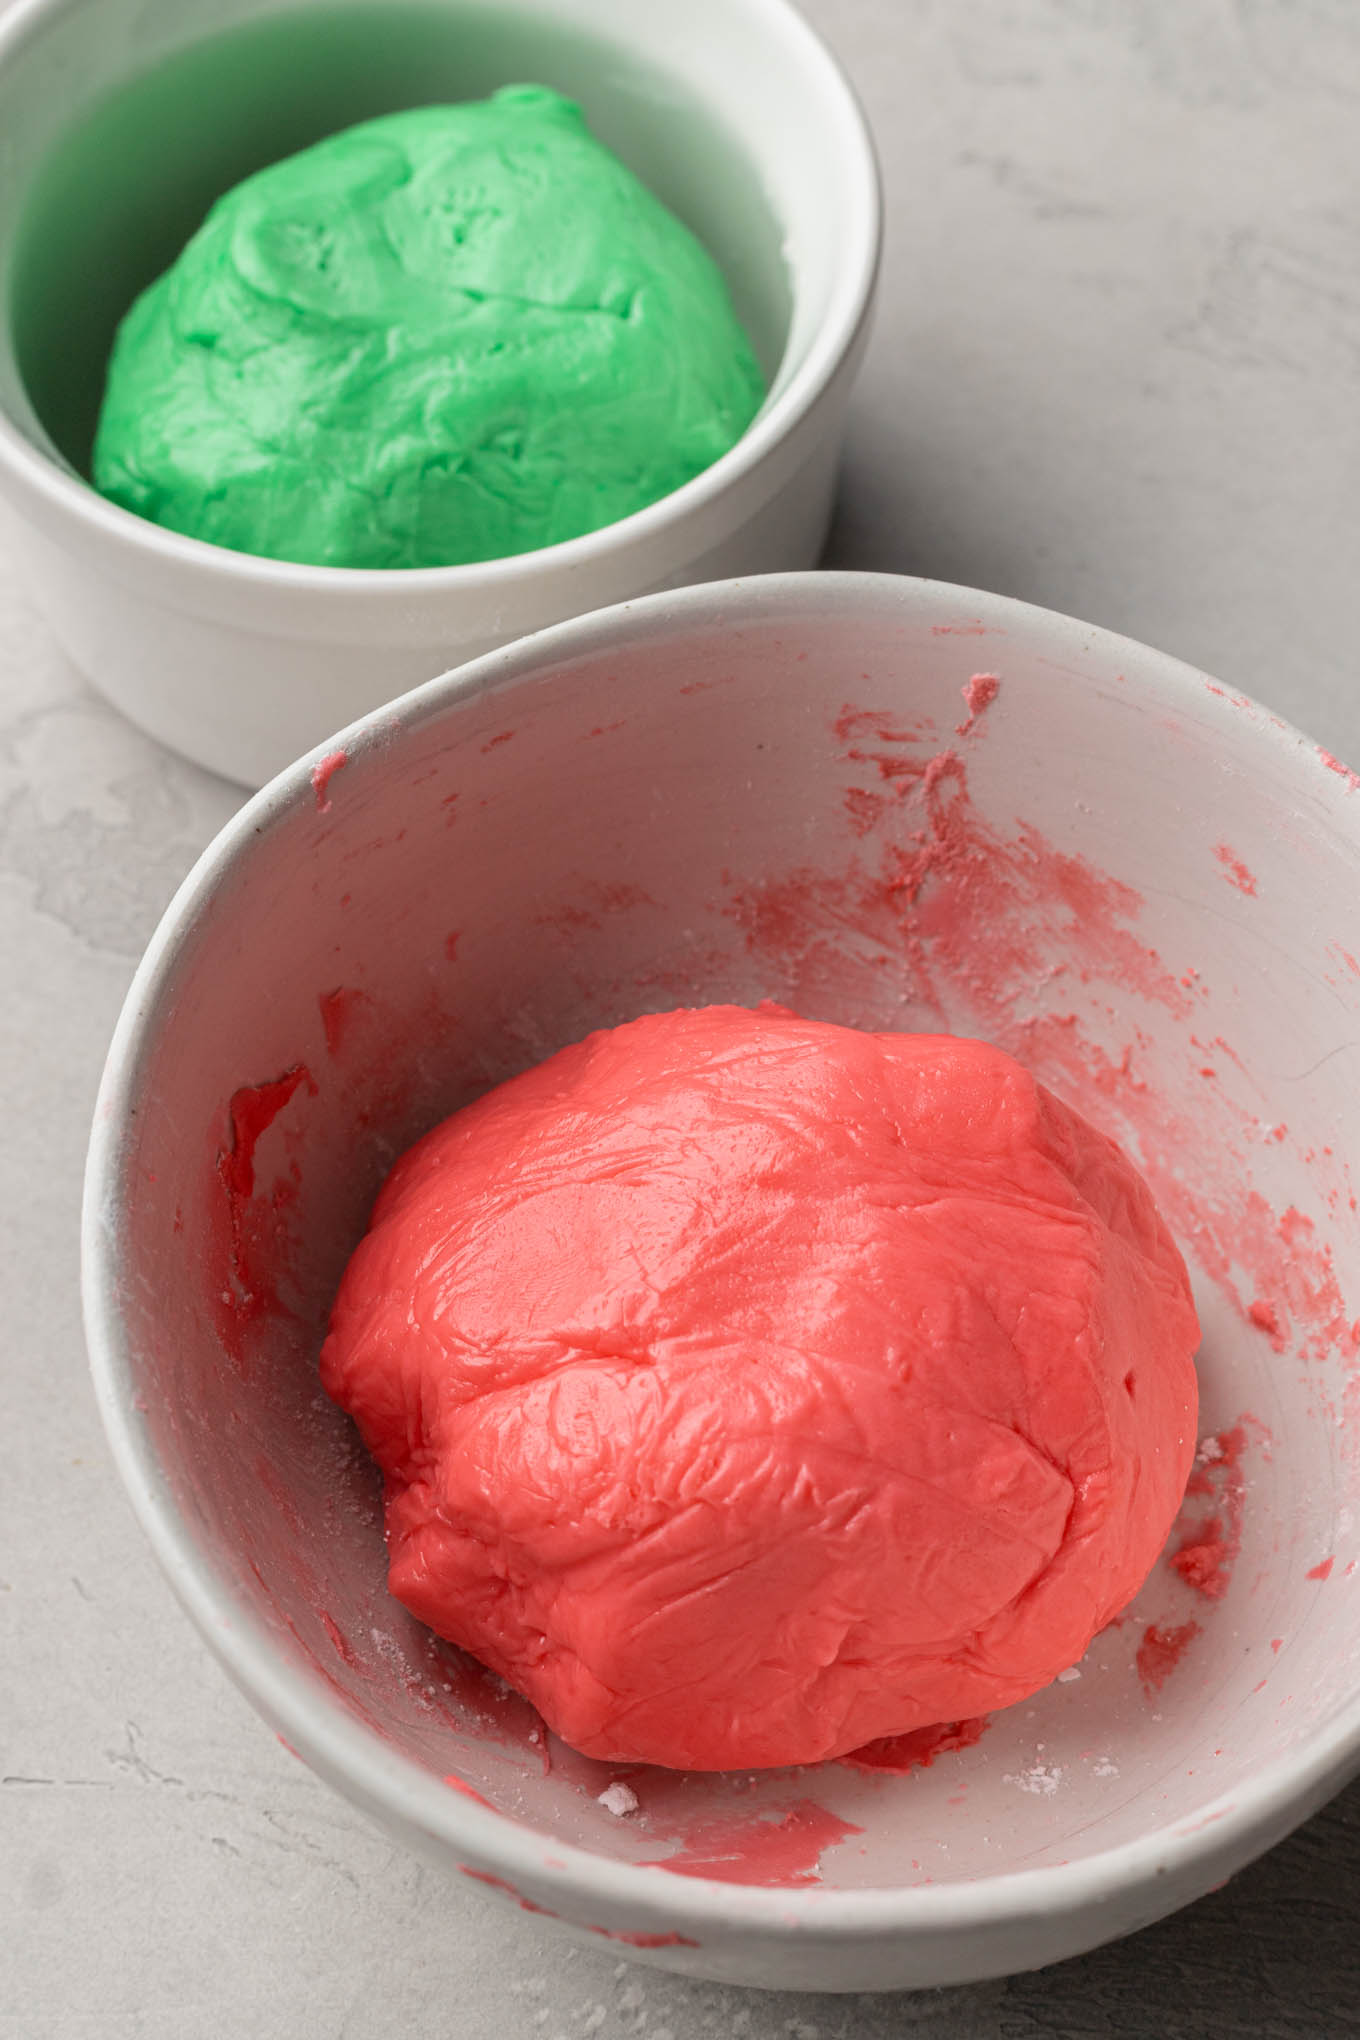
[1105, 1769]
[1210, 1450]
[1041, 1778]
[619, 1799]
[594, 2019]
[632, 1997]
[1066, 1678]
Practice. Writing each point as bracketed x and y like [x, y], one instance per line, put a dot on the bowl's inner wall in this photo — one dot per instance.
[1136, 887]
[110, 201]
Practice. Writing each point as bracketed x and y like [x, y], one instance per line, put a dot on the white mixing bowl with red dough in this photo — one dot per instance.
[889, 803]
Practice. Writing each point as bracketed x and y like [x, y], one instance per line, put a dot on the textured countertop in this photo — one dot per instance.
[1116, 371]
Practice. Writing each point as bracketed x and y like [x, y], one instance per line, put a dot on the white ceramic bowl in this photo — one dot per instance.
[121, 120]
[1143, 885]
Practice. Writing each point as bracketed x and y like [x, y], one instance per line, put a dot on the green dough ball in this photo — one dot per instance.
[445, 335]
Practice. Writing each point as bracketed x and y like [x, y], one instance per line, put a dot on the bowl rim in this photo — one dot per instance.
[835, 341]
[1235, 1825]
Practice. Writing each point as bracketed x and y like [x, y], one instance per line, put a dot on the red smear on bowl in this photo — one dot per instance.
[322, 776]
[747, 1851]
[1352, 779]
[917, 1751]
[338, 1011]
[628, 1940]
[644, 1940]
[1006, 935]
[1161, 1650]
[1209, 1544]
[254, 1224]
[1234, 870]
[469, 1792]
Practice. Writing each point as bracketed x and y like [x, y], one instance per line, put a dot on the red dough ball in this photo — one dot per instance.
[749, 1388]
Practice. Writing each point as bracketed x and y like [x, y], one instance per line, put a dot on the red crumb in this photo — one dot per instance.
[451, 941]
[1203, 1560]
[917, 1750]
[503, 737]
[322, 776]
[979, 693]
[1263, 1314]
[1321, 1571]
[1161, 1651]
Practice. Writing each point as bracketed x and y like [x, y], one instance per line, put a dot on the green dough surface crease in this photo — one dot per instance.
[447, 335]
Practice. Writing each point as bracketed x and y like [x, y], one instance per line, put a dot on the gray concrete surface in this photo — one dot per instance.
[1117, 371]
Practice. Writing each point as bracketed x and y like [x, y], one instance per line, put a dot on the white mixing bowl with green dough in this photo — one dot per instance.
[122, 120]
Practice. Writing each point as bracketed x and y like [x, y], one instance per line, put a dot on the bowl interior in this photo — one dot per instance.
[1137, 884]
[123, 121]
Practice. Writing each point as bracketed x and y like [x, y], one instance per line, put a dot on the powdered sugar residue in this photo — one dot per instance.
[1041, 1779]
